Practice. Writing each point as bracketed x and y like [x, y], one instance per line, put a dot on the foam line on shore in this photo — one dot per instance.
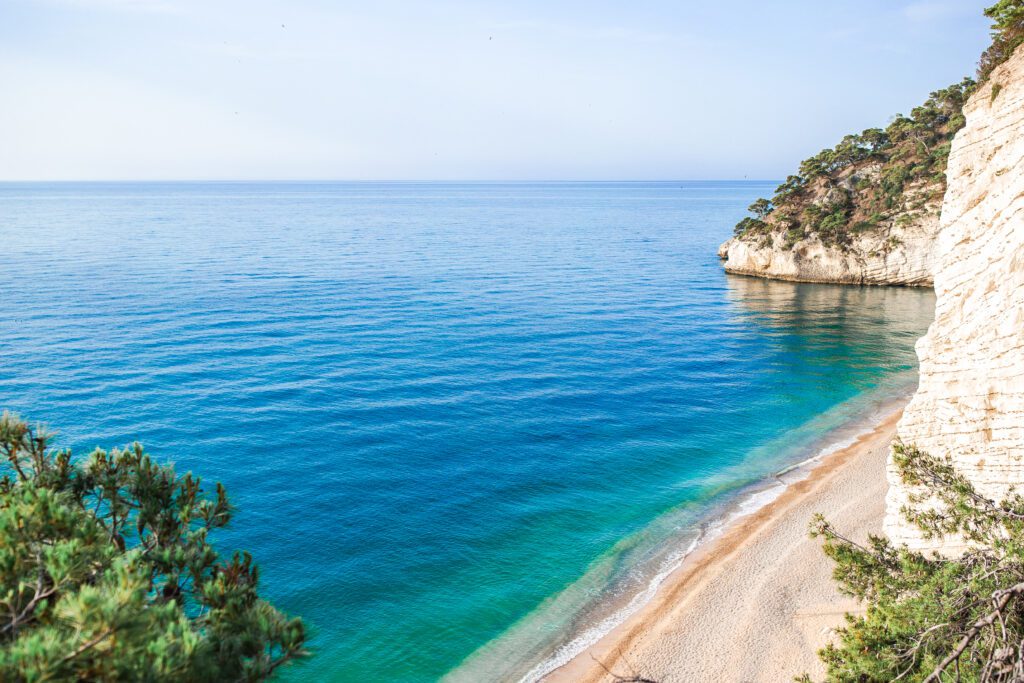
[577, 646]
[758, 497]
[840, 428]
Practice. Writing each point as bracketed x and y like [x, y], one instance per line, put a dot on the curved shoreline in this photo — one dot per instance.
[664, 638]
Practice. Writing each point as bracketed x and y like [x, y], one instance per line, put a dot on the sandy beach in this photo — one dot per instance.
[758, 602]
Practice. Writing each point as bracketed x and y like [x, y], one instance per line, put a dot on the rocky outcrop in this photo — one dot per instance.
[970, 401]
[902, 254]
[863, 212]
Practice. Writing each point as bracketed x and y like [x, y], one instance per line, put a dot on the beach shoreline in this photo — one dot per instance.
[762, 584]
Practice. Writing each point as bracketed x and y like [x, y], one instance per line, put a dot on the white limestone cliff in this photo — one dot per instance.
[898, 255]
[970, 401]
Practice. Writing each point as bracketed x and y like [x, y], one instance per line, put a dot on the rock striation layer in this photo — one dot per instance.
[970, 401]
[900, 255]
[865, 211]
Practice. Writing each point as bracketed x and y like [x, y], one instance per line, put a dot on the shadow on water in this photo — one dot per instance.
[449, 414]
[813, 337]
[814, 325]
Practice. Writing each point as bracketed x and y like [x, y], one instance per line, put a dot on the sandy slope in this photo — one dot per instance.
[756, 604]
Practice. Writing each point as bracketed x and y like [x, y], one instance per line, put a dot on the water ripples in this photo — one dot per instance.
[435, 405]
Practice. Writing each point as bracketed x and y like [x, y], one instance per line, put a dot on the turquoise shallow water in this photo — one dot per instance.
[463, 423]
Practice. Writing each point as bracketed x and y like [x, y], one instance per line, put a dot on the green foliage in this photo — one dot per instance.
[931, 618]
[832, 227]
[761, 208]
[750, 226]
[1007, 35]
[873, 171]
[885, 168]
[794, 235]
[106, 573]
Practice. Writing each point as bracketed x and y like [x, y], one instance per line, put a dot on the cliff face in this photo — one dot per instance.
[900, 254]
[970, 401]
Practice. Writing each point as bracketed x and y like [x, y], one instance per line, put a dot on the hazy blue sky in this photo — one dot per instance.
[460, 90]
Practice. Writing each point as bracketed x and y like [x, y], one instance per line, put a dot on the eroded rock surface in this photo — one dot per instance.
[970, 402]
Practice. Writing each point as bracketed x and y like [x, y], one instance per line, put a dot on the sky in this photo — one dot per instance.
[452, 90]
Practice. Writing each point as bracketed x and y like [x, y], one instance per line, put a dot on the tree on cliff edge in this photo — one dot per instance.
[931, 618]
[106, 573]
[1007, 34]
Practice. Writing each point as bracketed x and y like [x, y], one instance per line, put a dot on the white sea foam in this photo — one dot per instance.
[746, 505]
[591, 635]
[840, 429]
[758, 500]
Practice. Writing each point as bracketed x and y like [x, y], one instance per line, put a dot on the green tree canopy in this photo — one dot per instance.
[1007, 34]
[932, 618]
[760, 208]
[911, 152]
[903, 162]
[107, 573]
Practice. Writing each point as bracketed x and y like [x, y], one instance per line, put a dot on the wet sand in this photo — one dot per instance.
[755, 604]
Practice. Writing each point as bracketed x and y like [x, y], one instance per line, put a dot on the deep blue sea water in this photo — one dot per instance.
[463, 423]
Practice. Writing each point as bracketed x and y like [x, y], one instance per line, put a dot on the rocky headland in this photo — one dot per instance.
[863, 212]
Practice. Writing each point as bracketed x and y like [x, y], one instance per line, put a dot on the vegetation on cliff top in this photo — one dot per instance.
[867, 181]
[881, 177]
[106, 573]
[1007, 35]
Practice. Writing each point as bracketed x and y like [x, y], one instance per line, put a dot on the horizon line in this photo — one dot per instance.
[383, 180]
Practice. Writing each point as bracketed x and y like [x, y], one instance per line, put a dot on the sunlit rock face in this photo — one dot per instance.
[898, 255]
[970, 402]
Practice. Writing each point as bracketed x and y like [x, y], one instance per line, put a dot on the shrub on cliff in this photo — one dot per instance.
[1007, 34]
[931, 618]
[106, 573]
[868, 180]
[885, 174]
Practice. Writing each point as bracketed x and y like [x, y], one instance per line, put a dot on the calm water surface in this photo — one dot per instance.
[459, 420]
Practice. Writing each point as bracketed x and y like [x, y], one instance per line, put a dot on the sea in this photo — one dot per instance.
[468, 427]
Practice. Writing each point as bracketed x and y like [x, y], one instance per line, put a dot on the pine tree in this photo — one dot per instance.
[929, 617]
[107, 573]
